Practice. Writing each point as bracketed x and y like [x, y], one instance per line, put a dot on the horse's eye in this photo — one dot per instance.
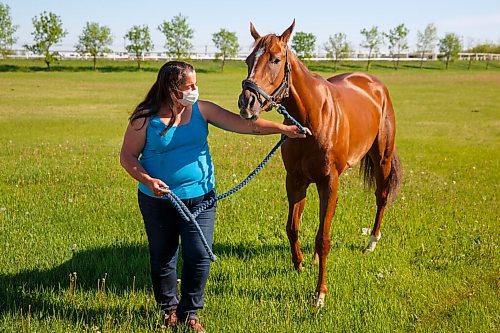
[275, 61]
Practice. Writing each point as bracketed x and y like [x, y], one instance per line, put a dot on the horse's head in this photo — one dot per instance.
[268, 77]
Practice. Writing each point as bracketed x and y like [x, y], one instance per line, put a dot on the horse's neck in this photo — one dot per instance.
[303, 98]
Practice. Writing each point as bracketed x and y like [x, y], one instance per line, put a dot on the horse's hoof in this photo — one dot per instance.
[367, 250]
[299, 267]
[319, 300]
[372, 243]
[316, 258]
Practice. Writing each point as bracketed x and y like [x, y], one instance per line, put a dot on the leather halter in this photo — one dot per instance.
[278, 94]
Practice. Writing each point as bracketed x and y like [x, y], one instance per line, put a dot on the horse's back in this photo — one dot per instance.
[362, 99]
[364, 81]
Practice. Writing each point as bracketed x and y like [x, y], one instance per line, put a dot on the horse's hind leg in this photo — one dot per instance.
[296, 191]
[382, 170]
[327, 191]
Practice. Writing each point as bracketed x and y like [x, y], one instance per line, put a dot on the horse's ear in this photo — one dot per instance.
[285, 36]
[254, 32]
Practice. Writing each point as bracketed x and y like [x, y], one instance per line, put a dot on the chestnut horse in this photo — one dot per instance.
[351, 118]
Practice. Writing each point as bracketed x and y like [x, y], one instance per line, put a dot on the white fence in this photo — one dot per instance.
[23, 54]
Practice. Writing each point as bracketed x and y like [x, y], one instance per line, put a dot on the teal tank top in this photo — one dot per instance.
[181, 157]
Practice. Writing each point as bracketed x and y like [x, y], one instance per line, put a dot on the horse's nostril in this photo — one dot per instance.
[251, 101]
[242, 101]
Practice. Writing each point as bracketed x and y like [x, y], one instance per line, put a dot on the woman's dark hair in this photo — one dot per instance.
[169, 79]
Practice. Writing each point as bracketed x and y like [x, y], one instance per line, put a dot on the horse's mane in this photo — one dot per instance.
[264, 41]
[267, 41]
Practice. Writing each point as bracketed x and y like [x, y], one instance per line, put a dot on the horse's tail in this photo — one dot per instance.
[393, 181]
[368, 170]
[395, 176]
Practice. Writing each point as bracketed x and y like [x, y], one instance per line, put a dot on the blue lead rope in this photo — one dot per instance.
[281, 110]
[186, 214]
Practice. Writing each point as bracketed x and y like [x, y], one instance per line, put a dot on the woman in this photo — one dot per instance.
[165, 148]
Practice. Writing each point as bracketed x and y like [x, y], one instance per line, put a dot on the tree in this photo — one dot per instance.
[470, 42]
[94, 40]
[486, 48]
[304, 44]
[397, 42]
[48, 31]
[373, 38]
[7, 30]
[426, 41]
[178, 35]
[140, 42]
[337, 48]
[227, 44]
[450, 46]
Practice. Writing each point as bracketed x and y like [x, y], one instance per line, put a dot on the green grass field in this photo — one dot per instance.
[66, 205]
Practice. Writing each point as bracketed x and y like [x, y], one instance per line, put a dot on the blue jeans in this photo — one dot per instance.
[164, 227]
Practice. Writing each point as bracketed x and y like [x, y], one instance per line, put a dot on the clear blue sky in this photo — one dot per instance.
[475, 21]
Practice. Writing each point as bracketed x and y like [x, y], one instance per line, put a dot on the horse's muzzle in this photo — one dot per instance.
[248, 105]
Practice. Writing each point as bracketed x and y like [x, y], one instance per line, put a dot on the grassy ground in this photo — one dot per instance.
[67, 206]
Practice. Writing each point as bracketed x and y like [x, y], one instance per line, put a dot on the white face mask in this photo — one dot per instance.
[189, 98]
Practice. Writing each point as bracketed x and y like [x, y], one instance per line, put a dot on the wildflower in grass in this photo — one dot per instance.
[365, 231]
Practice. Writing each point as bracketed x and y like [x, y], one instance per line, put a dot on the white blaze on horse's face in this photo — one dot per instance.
[256, 60]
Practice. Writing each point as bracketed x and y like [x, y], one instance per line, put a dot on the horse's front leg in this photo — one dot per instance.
[327, 191]
[296, 188]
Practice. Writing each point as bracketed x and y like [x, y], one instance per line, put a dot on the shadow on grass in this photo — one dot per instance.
[417, 66]
[355, 67]
[244, 251]
[382, 65]
[46, 292]
[247, 251]
[43, 290]
[320, 67]
[223, 283]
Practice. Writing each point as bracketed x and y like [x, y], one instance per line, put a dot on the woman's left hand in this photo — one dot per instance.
[294, 132]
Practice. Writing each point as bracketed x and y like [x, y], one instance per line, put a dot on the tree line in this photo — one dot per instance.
[96, 40]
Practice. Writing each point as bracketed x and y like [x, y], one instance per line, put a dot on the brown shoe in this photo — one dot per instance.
[194, 325]
[170, 319]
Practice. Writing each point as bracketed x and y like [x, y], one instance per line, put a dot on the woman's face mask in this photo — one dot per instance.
[189, 97]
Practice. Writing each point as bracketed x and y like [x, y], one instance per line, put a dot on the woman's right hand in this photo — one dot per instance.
[293, 132]
[158, 187]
